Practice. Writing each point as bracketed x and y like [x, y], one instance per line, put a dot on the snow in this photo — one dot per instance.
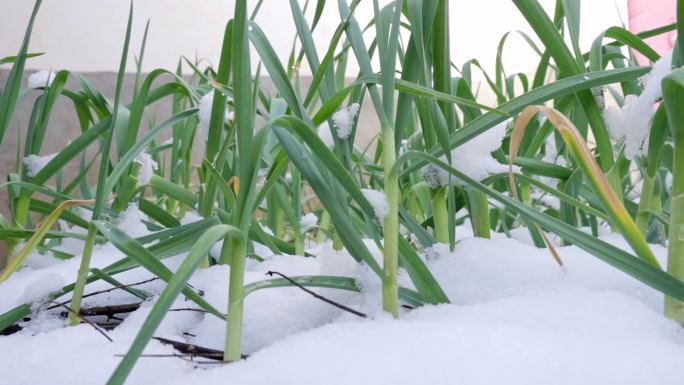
[544, 198]
[147, 167]
[630, 125]
[191, 217]
[204, 114]
[40, 288]
[308, 222]
[599, 96]
[515, 318]
[325, 134]
[551, 155]
[435, 176]
[476, 345]
[70, 245]
[35, 163]
[215, 251]
[131, 221]
[43, 273]
[260, 331]
[473, 158]
[403, 147]
[40, 261]
[41, 79]
[344, 120]
[378, 200]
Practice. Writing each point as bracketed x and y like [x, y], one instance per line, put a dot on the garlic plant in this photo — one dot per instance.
[283, 167]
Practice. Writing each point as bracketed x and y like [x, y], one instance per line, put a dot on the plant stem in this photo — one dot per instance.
[22, 209]
[651, 188]
[20, 218]
[646, 203]
[279, 229]
[337, 242]
[324, 225]
[673, 95]
[614, 178]
[235, 300]
[101, 193]
[299, 243]
[440, 220]
[415, 209]
[658, 208]
[675, 255]
[390, 300]
[479, 213]
[83, 269]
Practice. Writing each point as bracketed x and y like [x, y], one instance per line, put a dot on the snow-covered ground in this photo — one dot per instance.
[515, 318]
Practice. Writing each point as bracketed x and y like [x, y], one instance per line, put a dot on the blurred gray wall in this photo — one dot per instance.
[63, 127]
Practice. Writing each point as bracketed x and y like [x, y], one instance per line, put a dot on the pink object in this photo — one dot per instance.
[649, 14]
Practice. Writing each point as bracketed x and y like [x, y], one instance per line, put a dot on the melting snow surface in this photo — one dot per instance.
[515, 318]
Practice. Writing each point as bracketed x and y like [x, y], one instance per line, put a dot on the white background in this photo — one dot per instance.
[87, 35]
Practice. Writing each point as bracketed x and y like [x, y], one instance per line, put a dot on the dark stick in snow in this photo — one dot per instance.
[90, 323]
[336, 304]
[194, 350]
[104, 291]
